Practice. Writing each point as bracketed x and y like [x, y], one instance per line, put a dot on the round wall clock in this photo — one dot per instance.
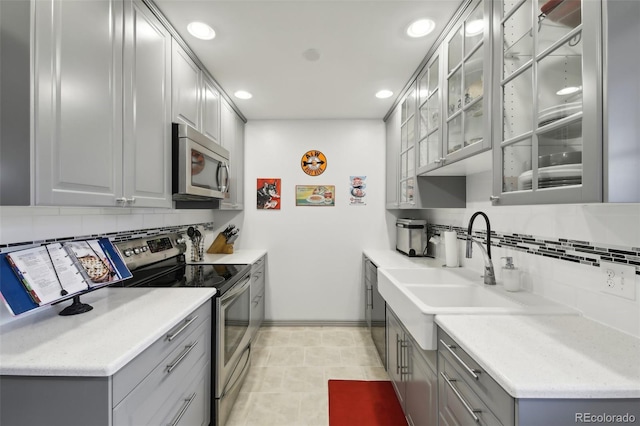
[313, 163]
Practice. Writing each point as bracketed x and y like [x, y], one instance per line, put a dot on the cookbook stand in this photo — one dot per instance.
[77, 307]
[220, 245]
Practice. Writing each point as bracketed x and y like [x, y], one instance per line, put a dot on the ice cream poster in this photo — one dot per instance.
[268, 194]
[357, 193]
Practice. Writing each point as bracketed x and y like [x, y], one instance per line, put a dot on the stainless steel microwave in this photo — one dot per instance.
[200, 166]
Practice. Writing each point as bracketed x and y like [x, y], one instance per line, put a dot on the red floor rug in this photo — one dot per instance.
[364, 403]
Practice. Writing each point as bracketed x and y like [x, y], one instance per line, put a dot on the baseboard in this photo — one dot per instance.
[312, 323]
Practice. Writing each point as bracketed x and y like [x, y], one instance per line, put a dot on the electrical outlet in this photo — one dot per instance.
[619, 280]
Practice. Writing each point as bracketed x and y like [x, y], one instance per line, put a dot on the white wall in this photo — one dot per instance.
[315, 252]
[571, 284]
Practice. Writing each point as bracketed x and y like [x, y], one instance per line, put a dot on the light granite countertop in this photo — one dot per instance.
[539, 356]
[122, 324]
[550, 356]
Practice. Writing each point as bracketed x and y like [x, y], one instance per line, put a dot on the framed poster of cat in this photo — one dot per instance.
[268, 194]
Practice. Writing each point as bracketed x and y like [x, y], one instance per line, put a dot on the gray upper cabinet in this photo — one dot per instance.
[78, 102]
[548, 127]
[466, 94]
[102, 133]
[232, 138]
[210, 110]
[392, 159]
[186, 88]
[147, 108]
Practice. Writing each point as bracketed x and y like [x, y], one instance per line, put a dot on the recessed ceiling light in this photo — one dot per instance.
[201, 30]
[421, 28]
[242, 94]
[473, 28]
[569, 90]
[384, 94]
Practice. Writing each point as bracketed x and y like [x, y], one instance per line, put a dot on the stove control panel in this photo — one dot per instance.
[144, 251]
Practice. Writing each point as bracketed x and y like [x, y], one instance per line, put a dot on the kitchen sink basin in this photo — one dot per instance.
[454, 296]
[417, 295]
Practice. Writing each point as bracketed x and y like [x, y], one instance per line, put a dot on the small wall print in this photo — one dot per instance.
[357, 193]
[315, 195]
[268, 194]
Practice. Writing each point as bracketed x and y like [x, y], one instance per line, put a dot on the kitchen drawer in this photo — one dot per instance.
[135, 371]
[191, 406]
[258, 264]
[150, 397]
[458, 403]
[500, 402]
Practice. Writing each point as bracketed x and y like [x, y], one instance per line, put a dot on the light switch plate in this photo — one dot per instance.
[619, 280]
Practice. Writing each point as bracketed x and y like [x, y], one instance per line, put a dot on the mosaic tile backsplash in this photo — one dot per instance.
[584, 252]
[112, 236]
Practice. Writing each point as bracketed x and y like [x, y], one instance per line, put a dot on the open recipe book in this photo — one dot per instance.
[55, 271]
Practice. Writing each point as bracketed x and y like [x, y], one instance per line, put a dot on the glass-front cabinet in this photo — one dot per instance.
[408, 147]
[467, 71]
[548, 127]
[429, 106]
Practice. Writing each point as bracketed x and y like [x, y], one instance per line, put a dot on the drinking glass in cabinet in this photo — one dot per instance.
[516, 163]
[455, 91]
[556, 19]
[474, 29]
[473, 76]
[473, 124]
[454, 135]
[517, 38]
[517, 104]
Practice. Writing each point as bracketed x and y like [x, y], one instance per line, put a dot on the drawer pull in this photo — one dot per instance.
[185, 407]
[187, 349]
[172, 336]
[473, 372]
[471, 411]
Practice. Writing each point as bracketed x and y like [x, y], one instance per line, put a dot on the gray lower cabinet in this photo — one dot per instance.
[413, 374]
[468, 395]
[257, 293]
[168, 383]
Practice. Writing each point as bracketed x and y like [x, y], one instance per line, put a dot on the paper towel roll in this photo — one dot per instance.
[451, 248]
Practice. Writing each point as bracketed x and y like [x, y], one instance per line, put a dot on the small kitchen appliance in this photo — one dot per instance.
[200, 166]
[411, 236]
[159, 261]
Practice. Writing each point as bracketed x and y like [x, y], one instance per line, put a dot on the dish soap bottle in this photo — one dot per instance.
[510, 275]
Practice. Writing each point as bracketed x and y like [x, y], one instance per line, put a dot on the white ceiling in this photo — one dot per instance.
[259, 47]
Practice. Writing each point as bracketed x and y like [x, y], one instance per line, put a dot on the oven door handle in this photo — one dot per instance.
[236, 289]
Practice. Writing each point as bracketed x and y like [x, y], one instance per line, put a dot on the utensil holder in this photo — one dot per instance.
[220, 245]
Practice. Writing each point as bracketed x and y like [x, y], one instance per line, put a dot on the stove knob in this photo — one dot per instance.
[136, 250]
[145, 249]
[128, 252]
[181, 241]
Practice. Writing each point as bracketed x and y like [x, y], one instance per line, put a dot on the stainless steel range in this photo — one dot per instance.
[159, 261]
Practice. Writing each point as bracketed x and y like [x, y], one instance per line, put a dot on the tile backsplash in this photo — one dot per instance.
[584, 252]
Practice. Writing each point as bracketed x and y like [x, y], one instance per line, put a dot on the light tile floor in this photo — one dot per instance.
[291, 366]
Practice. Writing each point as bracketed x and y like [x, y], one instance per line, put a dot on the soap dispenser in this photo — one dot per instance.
[510, 275]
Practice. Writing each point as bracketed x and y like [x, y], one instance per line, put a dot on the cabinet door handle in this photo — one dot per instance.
[172, 336]
[174, 364]
[494, 198]
[121, 200]
[185, 407]
[404, 354]
[474, 373]
[131, 200]
[468, 407]
[398, 359]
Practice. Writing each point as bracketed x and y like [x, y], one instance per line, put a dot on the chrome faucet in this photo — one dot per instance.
[489, 274]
